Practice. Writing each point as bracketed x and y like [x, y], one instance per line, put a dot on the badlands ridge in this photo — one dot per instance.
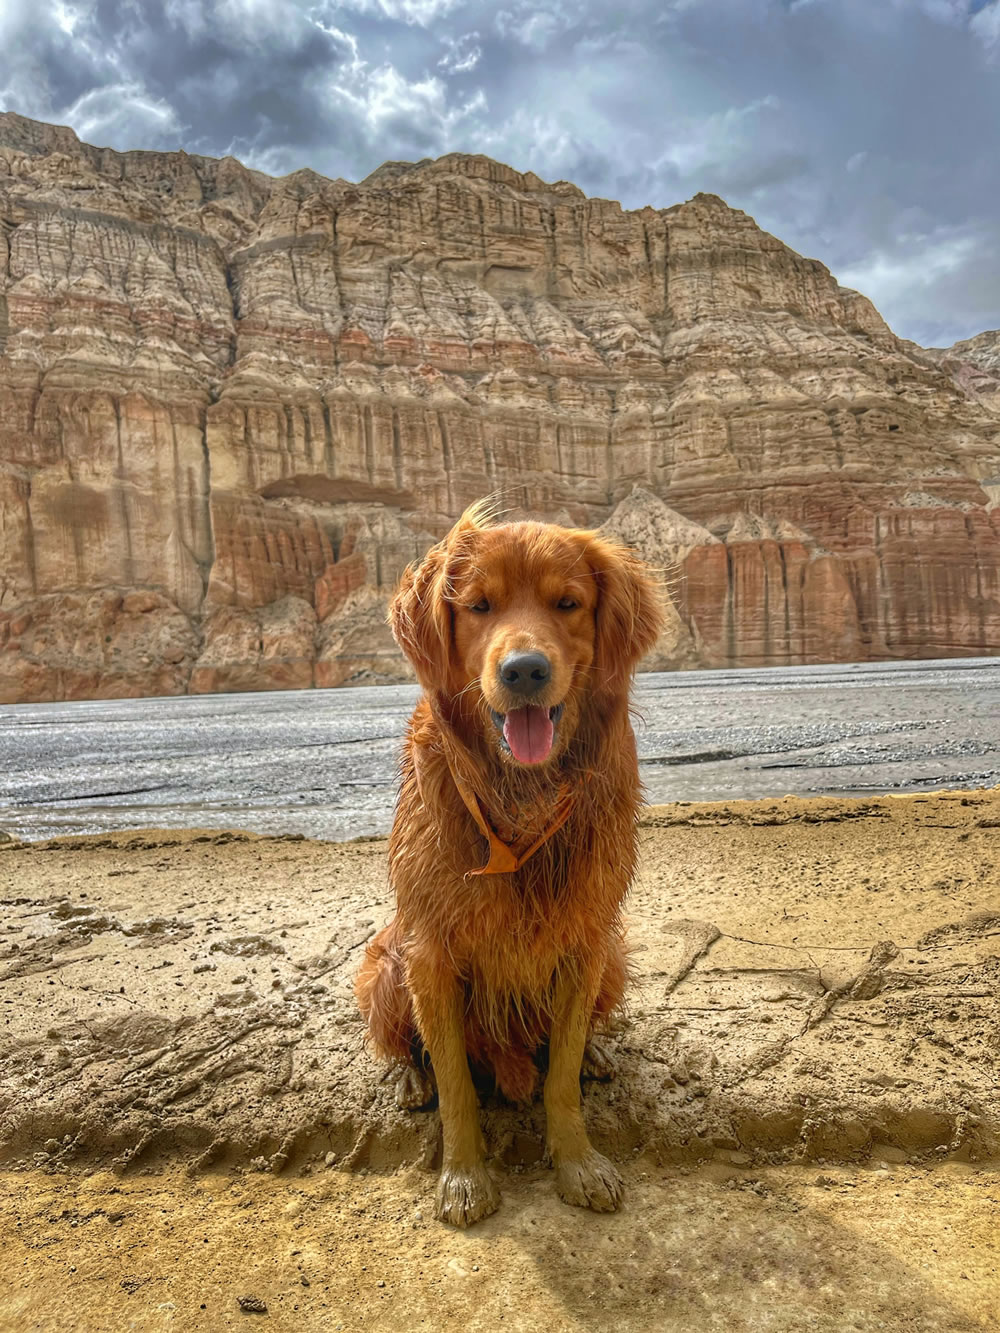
[233, 407]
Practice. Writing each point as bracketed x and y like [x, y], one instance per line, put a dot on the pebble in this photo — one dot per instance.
[330, 1158]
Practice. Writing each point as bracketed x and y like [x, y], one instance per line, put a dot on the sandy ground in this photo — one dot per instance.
[806, 1107]
[715, 1248]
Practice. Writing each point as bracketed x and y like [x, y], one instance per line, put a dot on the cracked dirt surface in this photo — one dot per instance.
[818, 983]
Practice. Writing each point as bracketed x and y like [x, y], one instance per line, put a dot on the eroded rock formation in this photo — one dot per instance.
[233, 407]
[974, 363]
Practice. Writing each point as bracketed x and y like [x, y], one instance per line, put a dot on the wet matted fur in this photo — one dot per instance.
[514, 842]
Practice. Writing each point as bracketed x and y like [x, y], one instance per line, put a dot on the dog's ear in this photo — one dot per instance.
[420, 616]
[629, 616]
[420, 613]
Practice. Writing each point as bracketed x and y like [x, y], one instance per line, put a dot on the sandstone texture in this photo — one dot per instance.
[249, 402]
[974, 363]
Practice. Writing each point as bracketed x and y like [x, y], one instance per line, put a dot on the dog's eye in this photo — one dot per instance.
[481, 607]
[567, 604]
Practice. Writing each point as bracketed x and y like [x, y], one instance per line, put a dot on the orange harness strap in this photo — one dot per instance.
[505, 857]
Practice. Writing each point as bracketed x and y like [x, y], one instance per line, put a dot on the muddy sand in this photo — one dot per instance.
[806, 1107]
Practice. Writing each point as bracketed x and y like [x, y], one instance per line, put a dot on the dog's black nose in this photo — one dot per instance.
[525, 673]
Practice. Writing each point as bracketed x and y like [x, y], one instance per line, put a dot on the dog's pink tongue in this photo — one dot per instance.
[528, 732]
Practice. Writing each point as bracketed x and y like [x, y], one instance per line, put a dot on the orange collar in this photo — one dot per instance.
[506, 857]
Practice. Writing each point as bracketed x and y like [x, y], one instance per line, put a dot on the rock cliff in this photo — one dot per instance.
[974, 363]
[233, 407]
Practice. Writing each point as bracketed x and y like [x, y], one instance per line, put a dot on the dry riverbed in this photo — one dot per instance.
[806, 1105]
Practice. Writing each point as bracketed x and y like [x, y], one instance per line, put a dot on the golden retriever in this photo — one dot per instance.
[514, 841]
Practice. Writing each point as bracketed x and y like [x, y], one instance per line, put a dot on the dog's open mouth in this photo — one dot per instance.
[528, 733]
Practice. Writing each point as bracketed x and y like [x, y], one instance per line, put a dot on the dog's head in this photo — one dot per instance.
[526, 623]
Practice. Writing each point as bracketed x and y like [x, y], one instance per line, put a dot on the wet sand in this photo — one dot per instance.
[806, 1104]
[323, 762]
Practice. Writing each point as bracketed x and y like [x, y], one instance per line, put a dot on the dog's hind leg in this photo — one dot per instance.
[614, 980]
[384, 998]
[598, 1062]
[415, 1089]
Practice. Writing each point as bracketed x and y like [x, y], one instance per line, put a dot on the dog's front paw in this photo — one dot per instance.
[590, 1182]
[466, 1196]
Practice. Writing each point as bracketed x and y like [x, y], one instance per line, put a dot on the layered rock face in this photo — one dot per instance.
[974, 364]
[232, 408]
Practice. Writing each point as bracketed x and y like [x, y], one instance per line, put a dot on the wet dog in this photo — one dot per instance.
[514, 842]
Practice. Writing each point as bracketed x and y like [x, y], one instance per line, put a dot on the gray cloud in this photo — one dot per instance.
[859, 131]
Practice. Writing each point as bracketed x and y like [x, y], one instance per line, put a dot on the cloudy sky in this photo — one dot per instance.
[862, 132]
